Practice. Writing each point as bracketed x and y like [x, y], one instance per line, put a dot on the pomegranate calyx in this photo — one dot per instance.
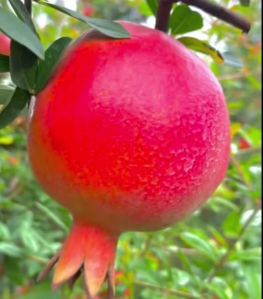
[90, 250]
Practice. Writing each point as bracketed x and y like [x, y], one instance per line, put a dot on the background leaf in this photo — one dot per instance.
[153, 4]
[52, 57]
[10, 249]
[4, 63]
[22, 13]
[106, 27]
[244, 2]
[17, 103]
[23, 67]
[20, 32]
[200, 244]
[231, 59]
[5, 94]
[184, 19]
[202, 47]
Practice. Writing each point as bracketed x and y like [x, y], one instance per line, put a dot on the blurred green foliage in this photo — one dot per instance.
[215, 254]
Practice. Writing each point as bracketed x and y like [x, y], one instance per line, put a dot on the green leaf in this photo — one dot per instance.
[4, 63]
[201, 245]
[245, 2]
[29, 240]
[253, 254]
[47, 66]
[5, 94]
[232, 59]
[153, 4]
[4, 232]
[184, 19]
[106, 27]
[22, 13]
[20, 32]
[10, 249]
[232, 224]
[52, 216]
[23, 67]
[41, 291]
[17, 103]
[253, 281]
[202, 47]
[220, 288]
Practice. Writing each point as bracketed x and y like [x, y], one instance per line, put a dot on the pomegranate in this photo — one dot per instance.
[244, 144]
[88, 10]
[5, 45]
[129, 134]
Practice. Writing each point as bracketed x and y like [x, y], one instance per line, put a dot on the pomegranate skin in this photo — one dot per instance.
[4, 45]
[130, 134]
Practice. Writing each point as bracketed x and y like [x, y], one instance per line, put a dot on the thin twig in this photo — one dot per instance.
[213, 9]
[237, 76]
[167, 291]
[241, 173]
[43, 275]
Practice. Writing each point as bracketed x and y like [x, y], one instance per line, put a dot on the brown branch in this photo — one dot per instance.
[28, 5]
[163, 15]
[211, 8]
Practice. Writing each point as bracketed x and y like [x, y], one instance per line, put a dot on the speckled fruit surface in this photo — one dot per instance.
[130, 134]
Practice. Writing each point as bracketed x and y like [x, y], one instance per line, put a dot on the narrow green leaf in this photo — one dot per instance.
[23, 67]
[20, 32]
[5, 94]
[29, 240]
[10, 249]
[106, 27]
[249, 255]
[17, 103]
[202, 47]
[153, 4]
[253, 281]
[184, 19]
[4, 232]
[4, 63]
[52, 57]
[231, 59]
[201, 245]
[22, 13]
[220, 288]
[52, 216]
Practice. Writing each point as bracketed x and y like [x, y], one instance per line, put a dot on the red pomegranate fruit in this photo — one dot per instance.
[129, 134]
[88, 10]
[5, 45]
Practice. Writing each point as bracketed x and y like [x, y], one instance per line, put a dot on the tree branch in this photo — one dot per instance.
[28, 5]
[163, 15]
[211, 8]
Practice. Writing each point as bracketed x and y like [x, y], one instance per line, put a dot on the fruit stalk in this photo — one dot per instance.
[211, 8]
